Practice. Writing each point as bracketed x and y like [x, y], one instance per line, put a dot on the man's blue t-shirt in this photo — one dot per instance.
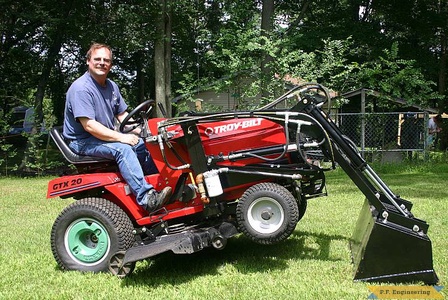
[86, 98]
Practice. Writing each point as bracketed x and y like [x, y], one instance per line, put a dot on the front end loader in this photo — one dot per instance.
[389, 243]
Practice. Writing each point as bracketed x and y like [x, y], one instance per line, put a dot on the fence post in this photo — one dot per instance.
[363, 122]
[425, 137]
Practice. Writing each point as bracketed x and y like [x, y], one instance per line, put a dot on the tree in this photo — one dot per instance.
[162, 56]
[19, 26]
[267, 15]
[421, 34]
[164, 45]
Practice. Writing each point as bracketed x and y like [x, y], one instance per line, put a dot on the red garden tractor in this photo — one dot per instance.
[249, 172]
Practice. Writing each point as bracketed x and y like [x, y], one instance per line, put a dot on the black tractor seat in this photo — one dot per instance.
[69, 155]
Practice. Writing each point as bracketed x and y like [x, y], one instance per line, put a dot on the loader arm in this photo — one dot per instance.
[389, 244]
[386, 203]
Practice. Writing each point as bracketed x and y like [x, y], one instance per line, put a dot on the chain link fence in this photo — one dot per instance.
[385, 136]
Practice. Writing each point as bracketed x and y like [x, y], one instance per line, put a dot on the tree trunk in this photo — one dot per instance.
[140, 76]
[162, 58]
[443, 8]
[159, 58]
[168, 59]
[442, 66]
[266, 30]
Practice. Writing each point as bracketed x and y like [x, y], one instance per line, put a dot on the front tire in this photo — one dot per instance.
[267, 213]
[88, 233]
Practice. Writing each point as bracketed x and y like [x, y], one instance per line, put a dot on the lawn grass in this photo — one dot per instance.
[314, 263]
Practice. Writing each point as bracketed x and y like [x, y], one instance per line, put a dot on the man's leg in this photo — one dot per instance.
[126, 159]
[145, 158]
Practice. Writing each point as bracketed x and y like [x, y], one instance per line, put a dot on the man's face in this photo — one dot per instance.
[100, 62]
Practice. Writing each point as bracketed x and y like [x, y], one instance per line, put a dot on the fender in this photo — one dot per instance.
[72, 184]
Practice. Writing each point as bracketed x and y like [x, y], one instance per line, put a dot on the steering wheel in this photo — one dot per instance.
[137, 116]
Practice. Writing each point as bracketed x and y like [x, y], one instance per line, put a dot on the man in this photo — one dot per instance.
[433, 129]
[93, 101]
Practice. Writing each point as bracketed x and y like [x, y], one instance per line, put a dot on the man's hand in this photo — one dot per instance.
[129, 138]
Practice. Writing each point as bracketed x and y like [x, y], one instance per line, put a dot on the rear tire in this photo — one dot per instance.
[267, 213]
[88, 233]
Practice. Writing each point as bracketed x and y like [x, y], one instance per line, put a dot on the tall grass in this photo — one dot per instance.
[314, 263]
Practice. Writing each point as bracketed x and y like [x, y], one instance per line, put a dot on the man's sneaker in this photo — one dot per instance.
[156, 200]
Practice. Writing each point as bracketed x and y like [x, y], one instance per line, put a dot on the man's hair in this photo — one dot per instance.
[95, 46]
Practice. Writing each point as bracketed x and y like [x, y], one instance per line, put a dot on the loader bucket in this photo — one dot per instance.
[383, 251]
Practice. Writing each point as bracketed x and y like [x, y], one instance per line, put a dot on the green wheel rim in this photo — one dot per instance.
[87, 241]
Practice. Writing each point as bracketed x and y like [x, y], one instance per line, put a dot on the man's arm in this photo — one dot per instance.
[103, 133]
